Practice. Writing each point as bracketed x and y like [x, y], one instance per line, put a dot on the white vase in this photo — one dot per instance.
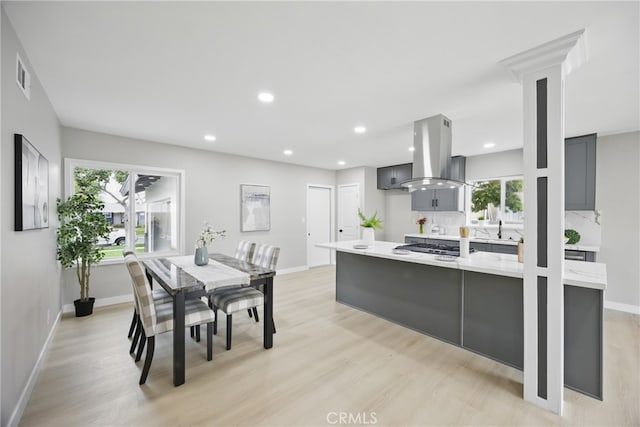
[368, 235]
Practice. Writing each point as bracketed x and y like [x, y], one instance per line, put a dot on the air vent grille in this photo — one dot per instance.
[23, 78]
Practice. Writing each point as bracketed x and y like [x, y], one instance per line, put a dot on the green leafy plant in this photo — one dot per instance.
[572, 235]
[373, 222]
[81, 225]
[522, 240]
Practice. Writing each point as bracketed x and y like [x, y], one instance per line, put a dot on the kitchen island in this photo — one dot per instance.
[475, 303]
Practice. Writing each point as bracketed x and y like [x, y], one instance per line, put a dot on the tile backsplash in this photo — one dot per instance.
[587, 223]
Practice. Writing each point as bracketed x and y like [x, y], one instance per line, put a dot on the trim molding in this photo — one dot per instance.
[101, 302]
[618, 306]
[18, 411]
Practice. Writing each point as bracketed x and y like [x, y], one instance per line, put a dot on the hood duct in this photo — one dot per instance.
[432, 155]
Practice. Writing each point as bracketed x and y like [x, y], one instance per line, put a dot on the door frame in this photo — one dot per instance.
[332, 222]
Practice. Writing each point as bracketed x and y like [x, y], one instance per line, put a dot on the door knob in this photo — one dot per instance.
[340, 230]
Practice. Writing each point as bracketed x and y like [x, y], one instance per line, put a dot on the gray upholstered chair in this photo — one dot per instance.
[245, 250]
[160, 296]
[233, 300]
[156, 319]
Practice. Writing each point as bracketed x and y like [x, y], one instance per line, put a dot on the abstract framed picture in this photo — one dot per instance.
[31, 186]
[255, 207]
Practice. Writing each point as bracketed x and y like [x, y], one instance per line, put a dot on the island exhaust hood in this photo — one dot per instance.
[432, 155]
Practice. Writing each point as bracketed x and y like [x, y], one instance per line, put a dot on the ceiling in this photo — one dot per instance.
[172, 72]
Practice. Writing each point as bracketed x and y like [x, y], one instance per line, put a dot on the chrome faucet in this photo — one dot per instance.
[500, 229]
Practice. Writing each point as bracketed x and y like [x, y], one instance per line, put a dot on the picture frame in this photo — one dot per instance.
[31, 186]
[255, 207]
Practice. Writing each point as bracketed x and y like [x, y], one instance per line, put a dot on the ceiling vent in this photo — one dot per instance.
[23, 78]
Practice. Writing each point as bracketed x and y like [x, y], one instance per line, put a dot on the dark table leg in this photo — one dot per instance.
[268, 313]
[178, 339]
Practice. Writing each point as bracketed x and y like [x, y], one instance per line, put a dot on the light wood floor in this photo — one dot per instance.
[327, 358]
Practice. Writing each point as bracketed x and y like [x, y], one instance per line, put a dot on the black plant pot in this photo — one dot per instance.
[84, 308]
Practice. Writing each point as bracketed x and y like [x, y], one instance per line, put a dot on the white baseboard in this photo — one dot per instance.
[292, 270]
[627, 308]
[18, 411]
[101, 302]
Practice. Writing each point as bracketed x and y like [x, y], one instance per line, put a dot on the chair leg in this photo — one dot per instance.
[197, 333]
[134, 320]
[229, 317]
[151, 345]
[255, 314]
[143, 339]
[215, 320]
[209, 340]
[136, 336]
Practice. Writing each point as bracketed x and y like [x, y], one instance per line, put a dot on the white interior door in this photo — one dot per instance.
[318, 225]
[348, 205]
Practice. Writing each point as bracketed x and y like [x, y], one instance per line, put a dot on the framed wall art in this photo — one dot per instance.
[255, 207]
[31, 186]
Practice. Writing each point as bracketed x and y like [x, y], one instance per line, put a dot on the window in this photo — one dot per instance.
[497, 199]
[142, 205]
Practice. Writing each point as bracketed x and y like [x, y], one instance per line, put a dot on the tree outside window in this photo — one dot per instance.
[505, 195]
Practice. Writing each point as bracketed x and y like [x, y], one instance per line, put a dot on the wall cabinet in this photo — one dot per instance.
[446, 199]
[580, 173]
[390, 177]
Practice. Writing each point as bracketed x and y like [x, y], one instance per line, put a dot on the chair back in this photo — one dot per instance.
[266, 256]
[143, 295]
[244, 251]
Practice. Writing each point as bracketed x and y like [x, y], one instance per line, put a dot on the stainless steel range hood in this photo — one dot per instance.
[432, 155]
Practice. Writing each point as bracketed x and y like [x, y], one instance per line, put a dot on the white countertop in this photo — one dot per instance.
[585, 248]
[577, 273]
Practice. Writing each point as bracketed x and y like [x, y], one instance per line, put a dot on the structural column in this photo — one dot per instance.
[541, 71]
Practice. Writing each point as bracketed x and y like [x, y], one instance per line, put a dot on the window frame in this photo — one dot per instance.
[70, 164]
[503, 195]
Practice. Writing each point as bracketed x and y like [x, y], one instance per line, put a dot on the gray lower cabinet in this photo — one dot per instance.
[504, 249]
[479, 312]
[480, 247]
[580, 173]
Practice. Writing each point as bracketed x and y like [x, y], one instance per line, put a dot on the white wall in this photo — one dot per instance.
[212, 182]
[30, 276]
[617, 181]
[494, 165]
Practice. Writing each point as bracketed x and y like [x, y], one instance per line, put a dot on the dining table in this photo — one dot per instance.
[182, 279]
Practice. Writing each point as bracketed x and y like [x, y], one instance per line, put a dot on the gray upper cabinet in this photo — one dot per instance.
[445, 200]
[580, 173]
[390, 177]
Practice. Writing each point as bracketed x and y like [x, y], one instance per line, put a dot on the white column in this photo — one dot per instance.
[541, 71]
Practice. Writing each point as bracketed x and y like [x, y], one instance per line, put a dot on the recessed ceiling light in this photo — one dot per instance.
[342, 162]
[209, 138]
[359, 129]
[412, 148]
[287, 152]
[266, 97]
[489, 144]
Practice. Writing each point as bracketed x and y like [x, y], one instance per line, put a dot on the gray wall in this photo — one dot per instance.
[617, 181]
[212, 193]
[30, 276]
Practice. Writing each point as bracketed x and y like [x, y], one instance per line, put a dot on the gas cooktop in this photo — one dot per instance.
[434, 248]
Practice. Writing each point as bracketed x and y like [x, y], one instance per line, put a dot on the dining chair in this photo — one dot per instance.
[157, 319]
[160, 296]
[233, 300]
[266, 256]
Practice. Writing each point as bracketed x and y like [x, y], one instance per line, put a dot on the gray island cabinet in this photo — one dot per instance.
[475, 303]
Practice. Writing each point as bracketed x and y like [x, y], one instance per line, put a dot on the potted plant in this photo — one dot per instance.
[421, 221]
[81, 225]
[369, 225]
